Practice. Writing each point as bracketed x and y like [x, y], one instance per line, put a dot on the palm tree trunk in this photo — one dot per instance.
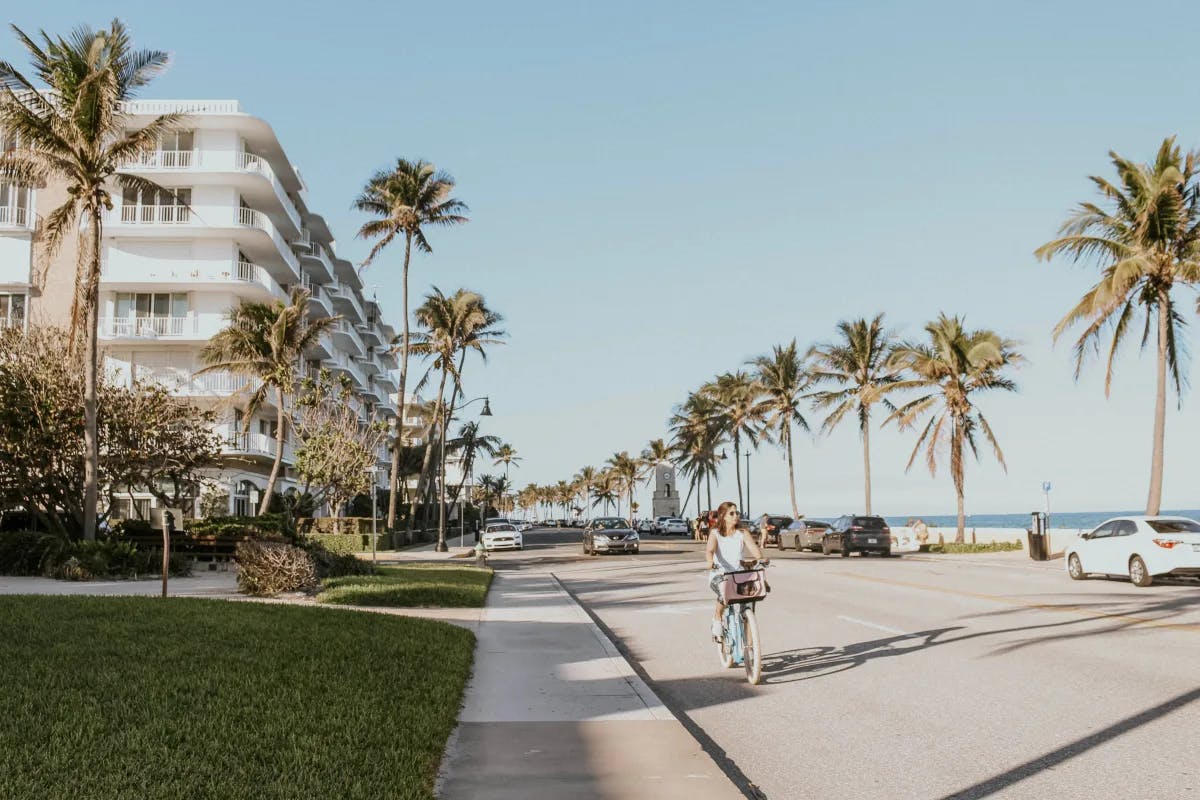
[787, 443]
[441, 487]
[1154, 500]
[280, 431]
[91, 437]
[737, 467]
[423, 477]
[956, 473]
[866, 433]
[395, 482]
[708, 481]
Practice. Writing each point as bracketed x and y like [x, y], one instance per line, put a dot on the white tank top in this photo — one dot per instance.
[729, 551]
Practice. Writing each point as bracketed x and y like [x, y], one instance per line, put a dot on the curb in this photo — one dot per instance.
[613, 643]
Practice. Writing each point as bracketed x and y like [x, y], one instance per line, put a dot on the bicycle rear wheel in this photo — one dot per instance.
[751, 647]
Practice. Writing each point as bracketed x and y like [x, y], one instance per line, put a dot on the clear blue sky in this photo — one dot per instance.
[779, 165]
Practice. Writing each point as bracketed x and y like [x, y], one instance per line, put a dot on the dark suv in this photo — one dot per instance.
[858, 533]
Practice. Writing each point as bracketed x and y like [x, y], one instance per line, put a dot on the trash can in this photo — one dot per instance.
[1038, 545]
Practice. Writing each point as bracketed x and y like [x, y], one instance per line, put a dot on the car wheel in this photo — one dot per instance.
[825, 548]
[845, 551]
[635, 551]
[1075, 569]
[585, 549]
[1138, 574]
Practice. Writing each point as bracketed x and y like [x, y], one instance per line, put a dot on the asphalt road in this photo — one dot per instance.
[915, 677]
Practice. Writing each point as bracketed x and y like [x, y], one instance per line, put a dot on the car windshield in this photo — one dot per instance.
[1174, 525]
[609, 523]
[674, 521]
[497, 528]
[870, 523]
[779, 520]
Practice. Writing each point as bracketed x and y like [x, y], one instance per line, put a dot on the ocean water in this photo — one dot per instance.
[1082, 520]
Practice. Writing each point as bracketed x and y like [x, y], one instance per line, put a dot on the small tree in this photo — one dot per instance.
[337, 451]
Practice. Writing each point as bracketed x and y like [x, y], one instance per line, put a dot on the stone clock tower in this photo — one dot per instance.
[666, 493]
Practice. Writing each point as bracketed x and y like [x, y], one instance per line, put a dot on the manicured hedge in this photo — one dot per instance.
[340, 543]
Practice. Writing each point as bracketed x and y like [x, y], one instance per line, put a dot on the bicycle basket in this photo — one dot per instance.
[744, 586]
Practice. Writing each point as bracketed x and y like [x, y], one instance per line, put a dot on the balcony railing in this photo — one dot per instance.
[251, 218]
[256, 444]
[156, 215]
[15, 321]
[248, 162]
[179, 107]
[146, 327]
[346, 329]
[15, 217]
[165, 159]
[248, 272]
[343, 292]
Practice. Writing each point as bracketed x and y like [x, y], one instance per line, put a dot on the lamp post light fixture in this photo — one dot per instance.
[486, 411]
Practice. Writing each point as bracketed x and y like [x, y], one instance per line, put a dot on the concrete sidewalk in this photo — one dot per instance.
[554, 711]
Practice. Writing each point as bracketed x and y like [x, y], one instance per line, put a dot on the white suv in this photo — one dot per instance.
[674, 525]
[660, 523]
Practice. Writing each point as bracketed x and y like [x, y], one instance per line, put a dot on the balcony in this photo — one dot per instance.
[181, 382]
[16, 218]
[212, 163]
[319, 305]
[370, 335]
[346, 302]
[250, 218]
[341, 361]
[156, 215]
[317, 259]
[255, 275]
[345, 335]
[367, 363]
[253, 445]
[193, 326]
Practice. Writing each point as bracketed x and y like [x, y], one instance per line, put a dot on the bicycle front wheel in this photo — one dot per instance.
[751, 647]
[725, 645]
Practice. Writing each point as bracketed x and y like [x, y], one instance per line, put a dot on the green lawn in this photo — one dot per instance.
[415, 586]
[150, 698]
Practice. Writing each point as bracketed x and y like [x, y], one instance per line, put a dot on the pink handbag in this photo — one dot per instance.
[745, 586]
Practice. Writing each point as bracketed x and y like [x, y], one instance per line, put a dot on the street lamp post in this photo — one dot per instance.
[486, 412]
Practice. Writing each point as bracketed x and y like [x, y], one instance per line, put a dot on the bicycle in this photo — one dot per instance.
[740, 643]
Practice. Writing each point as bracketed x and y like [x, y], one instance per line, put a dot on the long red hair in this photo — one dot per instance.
[722, 510]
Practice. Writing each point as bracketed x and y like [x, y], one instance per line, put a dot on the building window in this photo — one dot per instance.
[146, 313]
[14, 206]
[245, 497]
[164, 205]
[124, 508]
[12, 310]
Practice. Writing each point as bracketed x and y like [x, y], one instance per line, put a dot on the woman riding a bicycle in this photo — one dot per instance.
[727, 549]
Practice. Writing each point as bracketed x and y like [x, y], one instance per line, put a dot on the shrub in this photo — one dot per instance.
[30, 552]
[972, 547]
[133, 527]
[332, 563]
[341, 543]
[268, 568]
[240, 527]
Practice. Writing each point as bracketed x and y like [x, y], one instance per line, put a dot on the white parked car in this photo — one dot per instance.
[658, 523]
[674, 525]
[1139, 548]
[645, 526]
[502, 536]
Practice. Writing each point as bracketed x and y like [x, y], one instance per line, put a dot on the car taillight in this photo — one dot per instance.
[887, 531]
[854, 530]
[1166, 544]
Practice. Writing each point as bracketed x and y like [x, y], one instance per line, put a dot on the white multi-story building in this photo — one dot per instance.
[232, 222]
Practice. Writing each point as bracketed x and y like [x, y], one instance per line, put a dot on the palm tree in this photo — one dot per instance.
[782, 378]
[1146, 244]
[696, 434]
[451, 326]
[487, 483]
[857, 365]
[267, 342]
[587, 478]
[606, 489]
[736, 395]
[405, 199]
[466, 445]
[506, 454]
[956, 365]
[75, 131]
[627, 471]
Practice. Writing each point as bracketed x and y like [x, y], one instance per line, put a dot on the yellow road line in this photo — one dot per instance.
[1012, 601]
